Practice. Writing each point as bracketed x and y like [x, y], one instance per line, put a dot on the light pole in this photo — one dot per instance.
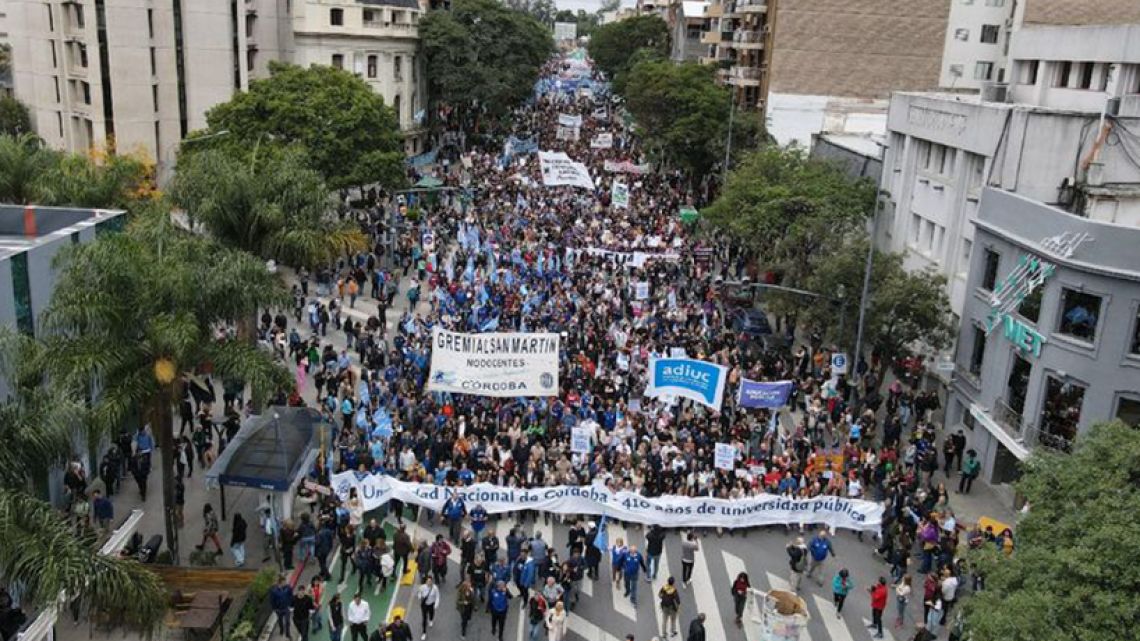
[728, 138]
[866, 286]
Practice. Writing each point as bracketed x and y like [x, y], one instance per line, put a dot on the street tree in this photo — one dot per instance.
[14, 117]
[905, 311]
[483, 58]
[351, 137]
[612, 46]
[276, 208]
[683, 115]
[39, 549]
[134, 312]
[1073, 574]
[32, 174]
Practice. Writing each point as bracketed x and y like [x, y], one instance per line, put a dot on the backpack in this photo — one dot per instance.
[669, 600]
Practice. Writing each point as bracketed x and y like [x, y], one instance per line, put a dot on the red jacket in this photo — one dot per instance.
[879, 597]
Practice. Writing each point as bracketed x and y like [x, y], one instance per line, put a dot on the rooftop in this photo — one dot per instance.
[24, 227]
[868, 145]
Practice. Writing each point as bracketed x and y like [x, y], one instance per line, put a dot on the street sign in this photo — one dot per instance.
[839, 363]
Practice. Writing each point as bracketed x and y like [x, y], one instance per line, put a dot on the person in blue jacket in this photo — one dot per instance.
[478, 521]
[281, 599]
[454, 510]
[820, 548]
[841, 586]
[631, 565]
[498, 602]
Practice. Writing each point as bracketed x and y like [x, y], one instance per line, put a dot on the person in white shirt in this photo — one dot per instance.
[949, 593]
[358, 615]
[429, 598]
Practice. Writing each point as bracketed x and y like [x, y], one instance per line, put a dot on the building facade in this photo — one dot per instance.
[1049, 342]
[686, 20]
[738, 37]
[136, 77]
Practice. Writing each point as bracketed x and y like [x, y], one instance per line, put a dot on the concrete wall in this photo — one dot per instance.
[1066, 12]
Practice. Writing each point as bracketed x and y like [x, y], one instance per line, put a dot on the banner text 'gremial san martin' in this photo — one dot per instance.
[671, 511]
[494, 364]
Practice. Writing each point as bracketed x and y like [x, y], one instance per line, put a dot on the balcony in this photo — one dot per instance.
[751, 6]
[748, 40]
[714, 10]
[710, 37]
[745, 76]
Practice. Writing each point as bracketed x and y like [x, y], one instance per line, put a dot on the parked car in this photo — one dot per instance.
[750, 322]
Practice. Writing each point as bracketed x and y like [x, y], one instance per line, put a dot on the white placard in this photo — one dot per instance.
[567, 133]
[604, 140]
[580, 439]
[567, 120]
[671, 511]
[838, 364]
[619, 195]
[558, 169]
[725, 458]
[494, 364]
[641, 290]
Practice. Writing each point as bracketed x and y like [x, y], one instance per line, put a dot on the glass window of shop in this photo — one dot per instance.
[1061, 412]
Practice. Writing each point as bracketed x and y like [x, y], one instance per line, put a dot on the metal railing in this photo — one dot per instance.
[748, 37]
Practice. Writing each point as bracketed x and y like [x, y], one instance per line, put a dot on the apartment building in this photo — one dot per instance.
[686, 19]
[135, 76]
[377, 40]
[738, 37]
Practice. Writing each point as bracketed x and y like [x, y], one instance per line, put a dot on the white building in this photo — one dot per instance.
[977, 43]
[1040, 137]
[136, 77]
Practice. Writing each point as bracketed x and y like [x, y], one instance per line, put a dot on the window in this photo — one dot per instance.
[977, 351]
[59, 118]
[1029, 73]
[338, 60]
[398, 68]
[86, 86]
[396, 107]
[57, 96]
[956, 71]
[962, 34]
[154, 96]
[1030, 308]
[967, 245]
[150, 22]
[1134, 348]
[369, 16]
[1079, 313]
[412, 65]
[946, 161]
[1018, 384]
[250, 59]
[153, 62]
[54, 58]
[371, 66]
[1128, 410]
[79, 21]
[1061, 412]
[51, 19]
[926, 153]
[983, 70]
[81, 50]
[1086, 75]
[915, 228]
[990, 269]
[995, 3]
[928, 234]
[977, 172]
[336, 17]
[990, 33]
[1062, 77]
[22, 294]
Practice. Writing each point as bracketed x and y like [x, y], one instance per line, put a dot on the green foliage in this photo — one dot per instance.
[32, 174]
[791, 210]
[1073, 576]
[14, 117]
[586, 23]
[483, 57]
[541, 10]
[683, 115]
[276, 208]
[612, 46]
[245, 626]
[335, 116]
[903, 308]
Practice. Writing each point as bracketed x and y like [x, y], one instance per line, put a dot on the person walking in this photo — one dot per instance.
[878, 604]
[556, 622]
[670, 601]
[970, 469]
[498, 602]
[465, 603]
[740, 587]
[359, 614]
[439, 551]
[696, 629]
[397, 630]
[237, 539]
[820, 548]
[302, 611]
[902, 598]
[281, 599]
[689, 548]
[797, 562]
[654, 546]
[536, 614]
[317, 591]
[336, 617]
[840, 587]
[631, 564]
[429, 598]
[210, 529]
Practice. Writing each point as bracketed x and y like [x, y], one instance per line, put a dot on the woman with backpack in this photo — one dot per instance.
[841, 586]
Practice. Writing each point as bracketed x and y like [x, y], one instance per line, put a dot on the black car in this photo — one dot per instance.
[751, 322]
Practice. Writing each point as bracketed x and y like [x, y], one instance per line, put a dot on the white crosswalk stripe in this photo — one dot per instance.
[887, 636]
[587, 630]
[621, 603]
[734, 565]
[705, 594]
[836, 627]
[658, 583]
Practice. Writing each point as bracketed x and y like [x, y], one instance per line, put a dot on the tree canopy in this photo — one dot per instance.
[30, 173]
[276, 208]
[612, 46]
[14, 117]
[1073, 575]
[350, 136]
[683, 115]
[482, 56]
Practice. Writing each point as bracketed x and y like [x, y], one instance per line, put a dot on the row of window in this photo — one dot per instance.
[372, 66]
[1068, 74]
[989, 36]
[983, 70]
[374, 17]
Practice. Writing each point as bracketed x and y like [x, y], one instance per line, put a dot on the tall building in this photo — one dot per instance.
[137, 76]
[738, 37]
[686, 19]
[1026, 196]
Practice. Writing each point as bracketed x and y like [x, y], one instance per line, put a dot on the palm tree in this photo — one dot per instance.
[274, 208]
[38, 547]
[132, 312]
[23, 163]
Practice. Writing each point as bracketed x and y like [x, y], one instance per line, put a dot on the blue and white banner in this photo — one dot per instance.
[689, 378]
[670, 511]
[757, 394]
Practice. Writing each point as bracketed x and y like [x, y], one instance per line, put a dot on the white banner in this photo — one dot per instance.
[624, 167]
[724, 457]
[641, 290]
[619, 194]
[567, 133]
[603, 140]
[494, 364]
[558, 169]
[580, 439]
[628, 259]
[567, 120]
[670, 511]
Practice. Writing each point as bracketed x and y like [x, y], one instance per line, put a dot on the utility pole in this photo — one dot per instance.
[728, 140]
[866, 286]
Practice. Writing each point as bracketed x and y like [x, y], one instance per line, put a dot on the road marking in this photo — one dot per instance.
[587, 630]
[887, 636]
[734, 565]
[836, 626]
[778, 582]
[621, 603]
[705, 594]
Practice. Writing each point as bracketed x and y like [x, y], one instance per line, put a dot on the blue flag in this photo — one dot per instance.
[601, 541]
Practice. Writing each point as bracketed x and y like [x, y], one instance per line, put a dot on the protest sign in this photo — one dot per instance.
[641, 290]
[725, 456]
[567, 133]
[604, 140]
[568, 120]
[758, 394]
[494, 364]
[624, 167]
[580, 439]
[375, 490]
[689, 378]
[620, 195]
[558, 169]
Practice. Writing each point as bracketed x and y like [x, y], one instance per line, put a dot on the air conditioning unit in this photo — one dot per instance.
[995, 92]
